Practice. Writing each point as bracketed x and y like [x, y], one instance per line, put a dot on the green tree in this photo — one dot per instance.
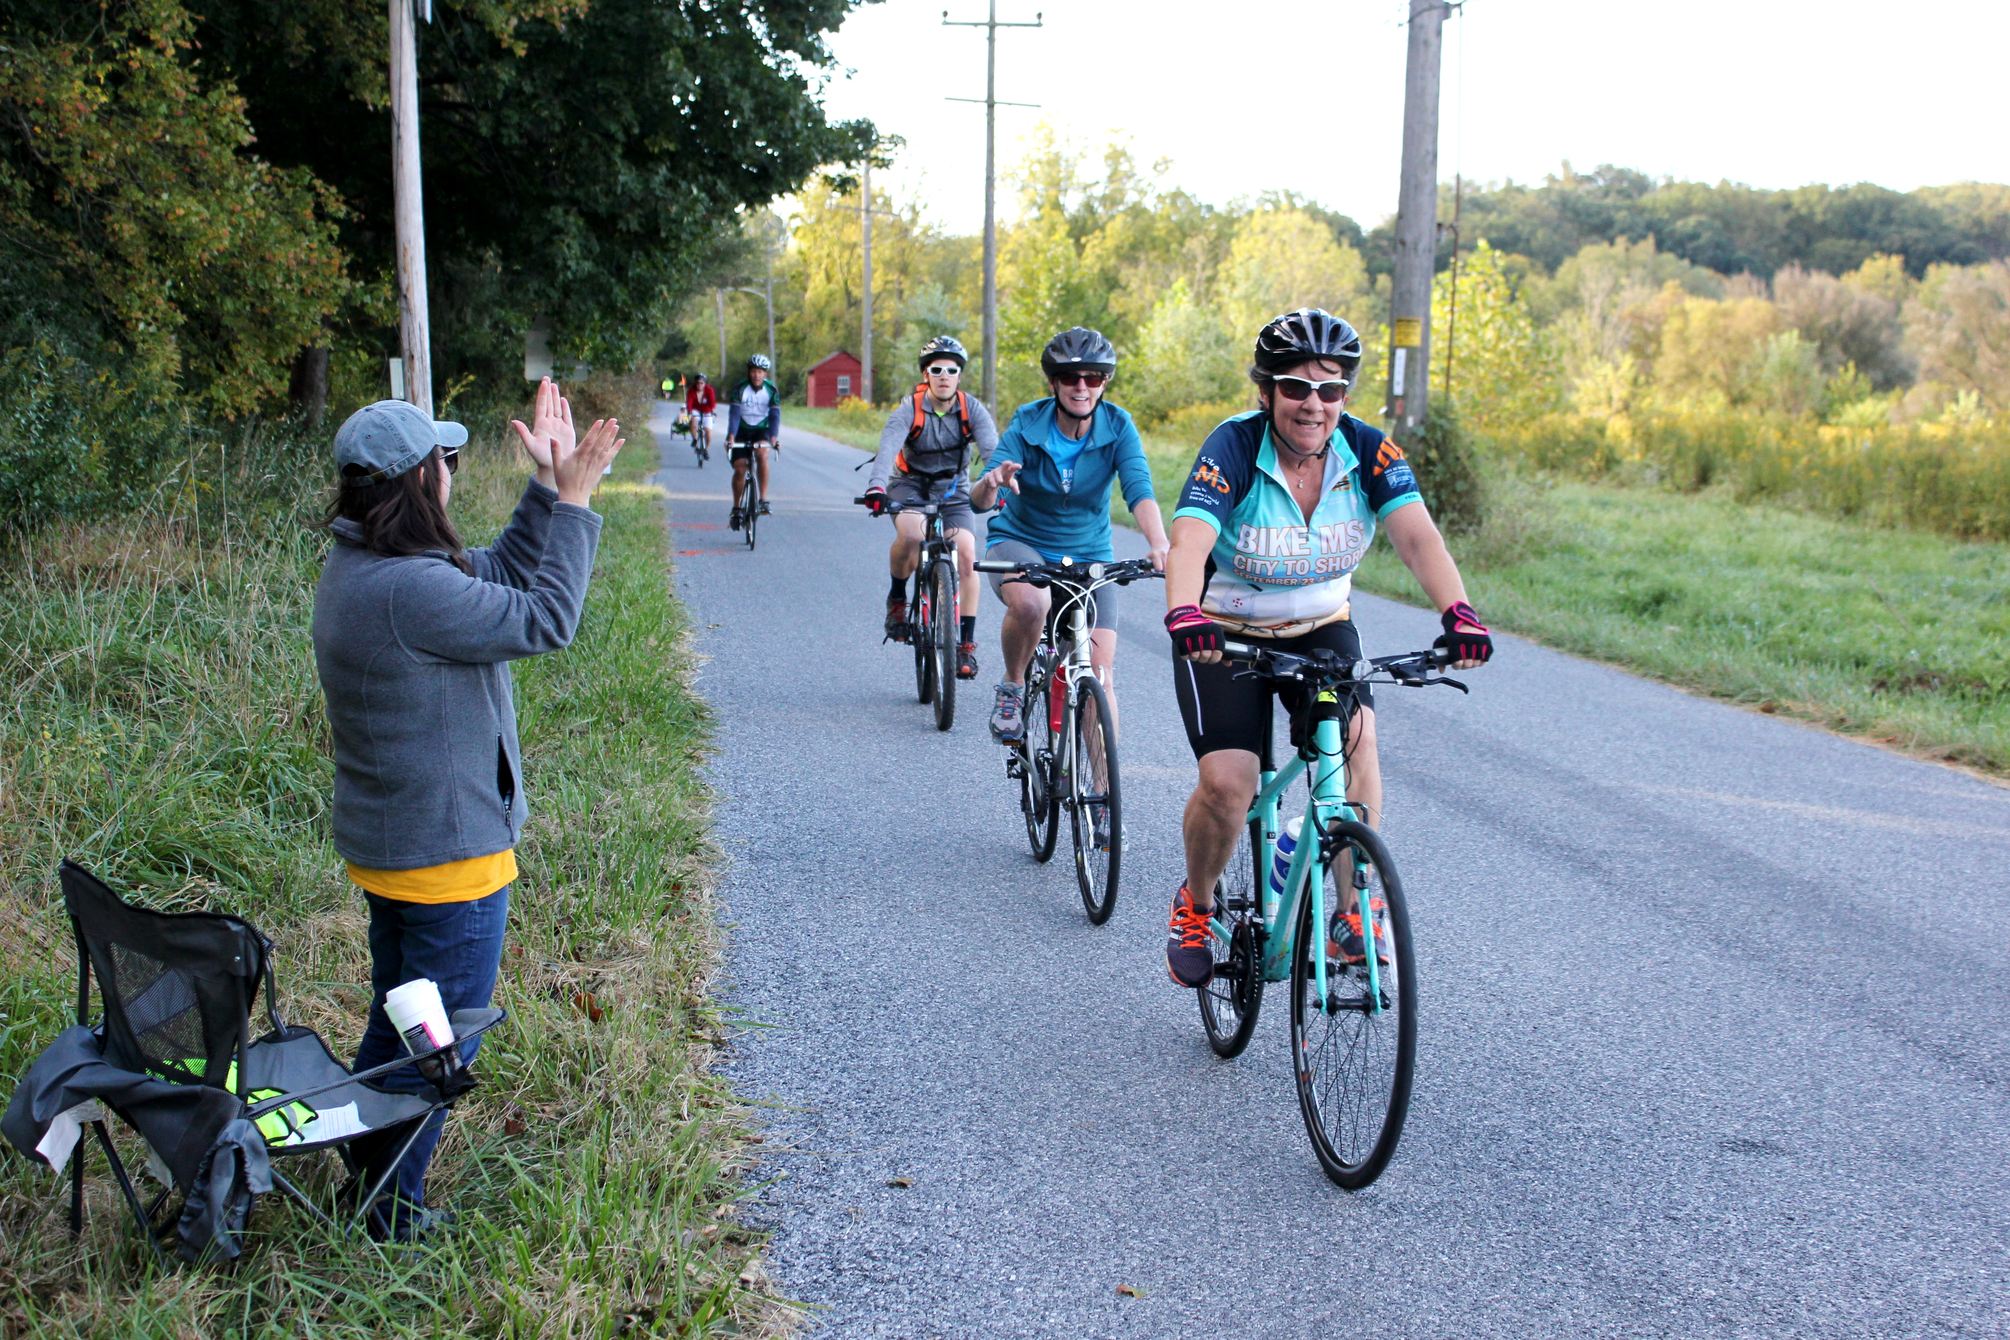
[1500, 363]
[1959, 328]
[580, 157]
[1284, 259]
[1187, 356]
[134, 220]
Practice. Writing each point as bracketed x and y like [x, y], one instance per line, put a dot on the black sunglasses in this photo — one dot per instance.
[451, 458]
[1081, 378]
[1297, 388]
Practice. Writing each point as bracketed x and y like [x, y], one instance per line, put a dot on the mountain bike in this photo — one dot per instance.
[935, 609]
[1277, 916]
[752, 497]
[1067, 757]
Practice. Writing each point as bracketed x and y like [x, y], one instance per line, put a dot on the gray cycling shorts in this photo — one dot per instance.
[1012, 551]
[955, 515]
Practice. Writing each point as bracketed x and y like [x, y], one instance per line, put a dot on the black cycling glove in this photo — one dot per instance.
[1465, 644]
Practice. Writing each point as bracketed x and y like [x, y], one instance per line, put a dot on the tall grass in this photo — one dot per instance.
[162, 724]
[1945, 477]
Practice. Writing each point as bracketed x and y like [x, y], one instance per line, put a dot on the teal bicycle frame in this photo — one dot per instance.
[1327, 802]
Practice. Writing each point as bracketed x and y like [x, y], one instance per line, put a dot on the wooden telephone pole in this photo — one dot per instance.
[991, 25]
[408, 205]
[1416, 222]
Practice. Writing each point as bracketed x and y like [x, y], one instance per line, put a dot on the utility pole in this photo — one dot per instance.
[719, 295]
[408, 208]
[991, 25]
[865, 213]
[1416, 221]
[768, 296]
[865, 235]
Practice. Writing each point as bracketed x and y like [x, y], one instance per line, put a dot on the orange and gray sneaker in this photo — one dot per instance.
[966, 661]
[896, 621]
[1344, 936]
[1189, 943]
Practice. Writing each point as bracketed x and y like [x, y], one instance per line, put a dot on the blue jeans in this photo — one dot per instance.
[457, 945]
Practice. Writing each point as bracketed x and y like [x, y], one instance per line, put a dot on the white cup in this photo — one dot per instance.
[419, 1015]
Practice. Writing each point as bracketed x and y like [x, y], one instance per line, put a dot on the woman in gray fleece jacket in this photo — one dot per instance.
[413, 636]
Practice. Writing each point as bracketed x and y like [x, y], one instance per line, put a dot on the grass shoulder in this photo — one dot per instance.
[1900, 637]
[164, 726]
[854, 423]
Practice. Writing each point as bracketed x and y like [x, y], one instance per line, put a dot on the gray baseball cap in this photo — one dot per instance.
[390, 437]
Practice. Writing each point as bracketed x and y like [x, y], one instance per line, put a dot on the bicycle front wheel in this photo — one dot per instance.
[753, 518]
[1038, 795]
[1230, 1001]
[943, 621]
[920, 629]
[1096, 802]
[1354, 1056]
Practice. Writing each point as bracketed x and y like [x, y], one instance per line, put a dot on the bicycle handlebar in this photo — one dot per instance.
[889, 507]
[1326, 668]
[1088, 576]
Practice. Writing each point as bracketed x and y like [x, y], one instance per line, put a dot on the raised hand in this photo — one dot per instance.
[578, 470]
[1005, 471]
[550, 424]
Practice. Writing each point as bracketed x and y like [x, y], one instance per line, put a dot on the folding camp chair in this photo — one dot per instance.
[178, 991]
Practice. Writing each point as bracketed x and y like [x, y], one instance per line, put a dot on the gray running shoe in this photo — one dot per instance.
[1008, 722]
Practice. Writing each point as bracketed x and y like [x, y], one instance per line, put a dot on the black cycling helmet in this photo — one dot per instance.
[1308, 333]
[944, 346]
[1078, 349]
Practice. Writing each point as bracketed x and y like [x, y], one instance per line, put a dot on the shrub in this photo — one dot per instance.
[78, 441]
[1448, 469]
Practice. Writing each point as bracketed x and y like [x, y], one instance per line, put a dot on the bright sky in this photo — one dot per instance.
[1248, 97]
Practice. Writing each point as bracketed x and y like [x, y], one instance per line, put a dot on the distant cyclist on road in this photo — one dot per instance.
[1279, 508]
[699, 401]
[753, 423]
[1058, 458]
[924, 456]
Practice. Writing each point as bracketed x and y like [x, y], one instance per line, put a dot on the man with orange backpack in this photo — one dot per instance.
[924, 456]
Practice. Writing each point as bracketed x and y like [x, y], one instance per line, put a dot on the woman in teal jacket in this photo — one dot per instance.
[1054, 465]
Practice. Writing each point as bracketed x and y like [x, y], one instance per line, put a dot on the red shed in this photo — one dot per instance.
[834, 378]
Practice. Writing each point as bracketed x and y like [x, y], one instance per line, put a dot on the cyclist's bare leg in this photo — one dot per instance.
[1364, 766]
[905, 555]
[1025, 617]
[966, 576]
[1215, 817]
[739, 482]
[761, 455]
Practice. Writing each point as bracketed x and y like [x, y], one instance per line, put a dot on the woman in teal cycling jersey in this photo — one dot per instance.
[1280, 506]
[1054, 464]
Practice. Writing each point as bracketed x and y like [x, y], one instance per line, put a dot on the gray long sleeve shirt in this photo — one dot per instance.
[414, 658]
[939, 448]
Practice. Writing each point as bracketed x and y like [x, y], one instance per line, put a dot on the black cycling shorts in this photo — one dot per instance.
[743, 448]
[1223, 712]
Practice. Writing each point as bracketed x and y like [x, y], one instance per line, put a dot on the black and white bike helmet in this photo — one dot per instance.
[761, 361]
[1078, 349]
[944, 346]
[1308, 333]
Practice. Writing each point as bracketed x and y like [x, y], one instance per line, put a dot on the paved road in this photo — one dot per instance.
[1713, 1032]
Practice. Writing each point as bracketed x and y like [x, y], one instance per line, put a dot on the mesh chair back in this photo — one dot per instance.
[177, 987]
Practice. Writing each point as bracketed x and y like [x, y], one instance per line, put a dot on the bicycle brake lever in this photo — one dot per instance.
[1444, 679]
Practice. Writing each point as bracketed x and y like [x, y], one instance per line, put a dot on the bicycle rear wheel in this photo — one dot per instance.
[1230, 1001]
[1354, 1067]
[920, 629]
[1038, 795]
[944, 650]
[1096, 801]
